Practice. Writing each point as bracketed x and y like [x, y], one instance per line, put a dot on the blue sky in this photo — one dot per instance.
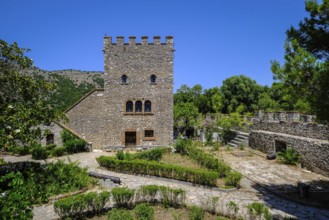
[214, 39]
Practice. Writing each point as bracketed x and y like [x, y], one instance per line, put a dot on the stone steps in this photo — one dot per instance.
[240, 139]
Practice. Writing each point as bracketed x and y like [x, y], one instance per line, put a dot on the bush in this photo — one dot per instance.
[123, 197]
[196, 213]
[233, 178]
[58, 151]
[144, 212]
[154, 154]
[289, 156]
[259, 211]
[198, 176]
[75, 146]
[78, 204]
[119, 214]
[181, 145]
[50, 146]
[165, 195]
[39, 153]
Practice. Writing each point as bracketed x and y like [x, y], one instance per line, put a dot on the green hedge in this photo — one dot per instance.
[153, 154]
[79, 204]
[198, 176]
[186, 147]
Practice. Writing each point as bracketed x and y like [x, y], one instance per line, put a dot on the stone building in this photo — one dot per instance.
[136, 106]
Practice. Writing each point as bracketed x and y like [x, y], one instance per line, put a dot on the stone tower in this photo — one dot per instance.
[138, 93]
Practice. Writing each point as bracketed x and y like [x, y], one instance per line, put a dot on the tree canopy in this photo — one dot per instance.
[22, 99]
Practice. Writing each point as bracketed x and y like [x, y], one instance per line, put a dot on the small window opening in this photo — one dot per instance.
[149, 133]
[129, 106]
[280, 146]
[124, 79]
[153, 79]
[138, 106]
[148, 106]
[50, 139]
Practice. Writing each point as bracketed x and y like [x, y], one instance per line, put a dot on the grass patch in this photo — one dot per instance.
[179, 160]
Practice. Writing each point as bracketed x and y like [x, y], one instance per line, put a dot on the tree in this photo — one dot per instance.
[313, 32]
[186, 116]
[22, 99]
[306, 68]
[239, 93]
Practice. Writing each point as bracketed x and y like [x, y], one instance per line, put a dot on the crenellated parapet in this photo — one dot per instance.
[144, 40]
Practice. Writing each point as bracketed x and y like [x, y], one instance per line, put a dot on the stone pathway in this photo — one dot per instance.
[198, 195]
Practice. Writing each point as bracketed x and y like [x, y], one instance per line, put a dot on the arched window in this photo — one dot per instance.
[129, 106]
[153, 79]
[147, 106]
[124, 79]
[138, 106]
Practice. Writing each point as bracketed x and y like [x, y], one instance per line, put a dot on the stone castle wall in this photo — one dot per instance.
[138, 61]
[309, 139]
[87, 118]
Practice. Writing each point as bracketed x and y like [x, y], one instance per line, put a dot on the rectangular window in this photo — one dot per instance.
[149, 133]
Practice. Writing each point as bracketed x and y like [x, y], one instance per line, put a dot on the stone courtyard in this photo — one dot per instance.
[264, 181]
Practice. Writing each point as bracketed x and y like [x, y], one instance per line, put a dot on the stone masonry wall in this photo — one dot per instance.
[56, 131]
[87, 118]
[314, 152]
[310, 130]
[138, 61]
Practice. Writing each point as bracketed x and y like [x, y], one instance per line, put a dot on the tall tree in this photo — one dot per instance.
[306, 68]
[239, 93]
[22, 99]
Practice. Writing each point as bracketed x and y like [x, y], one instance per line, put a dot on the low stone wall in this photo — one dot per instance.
[310, 130]
[315, 152]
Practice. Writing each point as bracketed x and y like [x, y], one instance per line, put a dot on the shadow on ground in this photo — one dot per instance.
[317, 196]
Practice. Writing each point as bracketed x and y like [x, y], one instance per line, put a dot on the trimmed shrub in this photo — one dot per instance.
[39, 153]
[50, 146]
[144, 212]
[119, 214]
[75, 146]
[198, 176]
[78, 204]
[58, 151]
[196, 213]
[123, 197]
[233, 178]
[154, 154]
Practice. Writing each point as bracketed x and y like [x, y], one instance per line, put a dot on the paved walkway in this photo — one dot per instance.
[279, 206]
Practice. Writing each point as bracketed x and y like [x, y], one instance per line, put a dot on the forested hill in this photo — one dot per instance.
[71, 85]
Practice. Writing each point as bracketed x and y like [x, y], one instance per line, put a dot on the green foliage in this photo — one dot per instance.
[67, 92]
[36, 185]
[123, 197]
[72, 143]
[186, 116]
[198, 176]
[162, 194]
[227, 123]
[23, 100]
[259, 211]
[144, 212]
[75, 146]
[78, 204]
[239, 93]
[233, 178]
[119, 214]
[2, 161]
[182, 145]
[208, 136]
[39, 153]
[153, 154]
[196, 213]
[50, 147]
[289, 156]
[58, 151]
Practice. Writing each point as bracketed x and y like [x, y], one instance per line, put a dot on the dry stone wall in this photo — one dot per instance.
[309, 139]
